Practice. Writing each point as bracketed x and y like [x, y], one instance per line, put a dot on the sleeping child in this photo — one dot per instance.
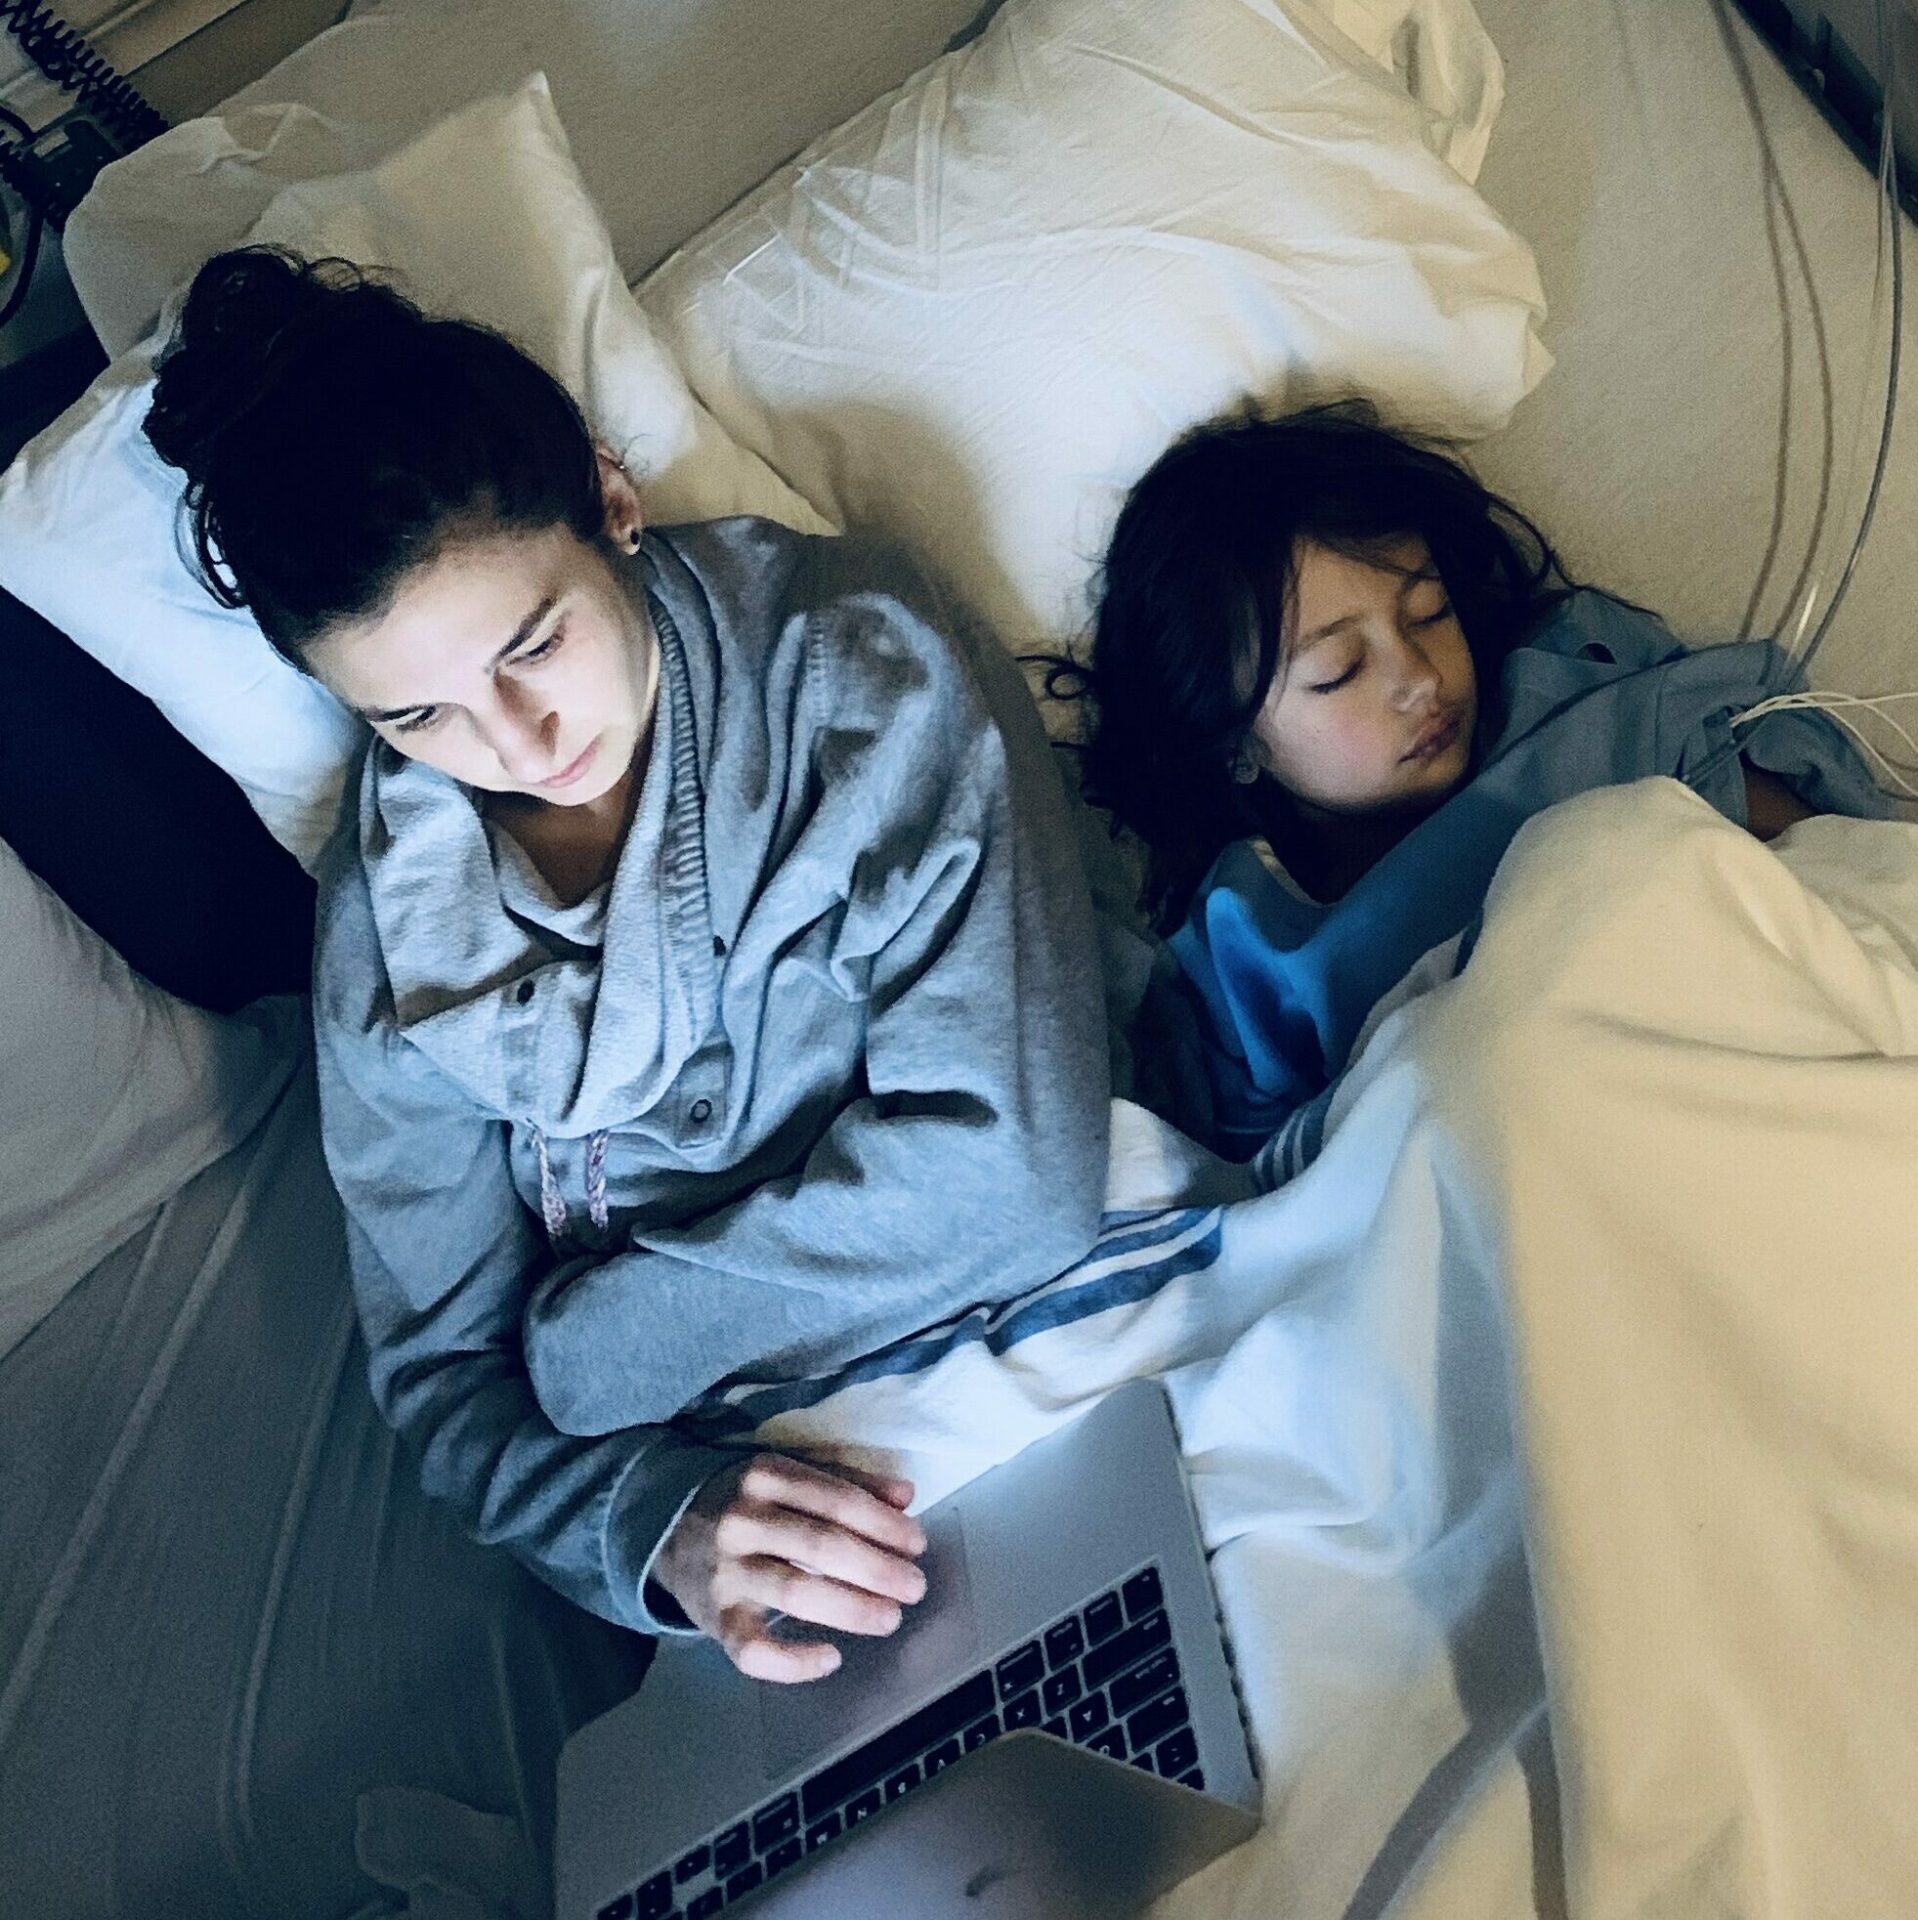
[1331, 676]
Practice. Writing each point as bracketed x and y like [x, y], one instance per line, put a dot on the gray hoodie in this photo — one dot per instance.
[825, 1062]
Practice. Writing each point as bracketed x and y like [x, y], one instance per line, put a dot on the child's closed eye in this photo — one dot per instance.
[1332, 686]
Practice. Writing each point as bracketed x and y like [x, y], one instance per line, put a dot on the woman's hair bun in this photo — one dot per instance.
[334, 437]
[250, 314]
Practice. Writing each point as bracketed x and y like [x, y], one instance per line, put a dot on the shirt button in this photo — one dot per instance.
[702, 1112]
[523, 992]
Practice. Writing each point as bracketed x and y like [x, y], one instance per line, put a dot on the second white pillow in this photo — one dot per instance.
[977, 312]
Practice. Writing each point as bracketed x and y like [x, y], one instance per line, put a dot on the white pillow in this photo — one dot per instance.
[978, 311]
[483, 216]
[112, 1095]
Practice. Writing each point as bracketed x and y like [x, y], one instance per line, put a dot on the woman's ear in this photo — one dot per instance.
[623, 517]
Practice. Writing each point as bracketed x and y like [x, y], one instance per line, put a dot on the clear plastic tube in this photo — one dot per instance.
[1799, 639]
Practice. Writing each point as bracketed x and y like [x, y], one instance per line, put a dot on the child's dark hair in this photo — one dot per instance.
[1192, 603]
[334, 437]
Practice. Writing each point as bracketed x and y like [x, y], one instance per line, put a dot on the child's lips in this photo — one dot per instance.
[1436, 736]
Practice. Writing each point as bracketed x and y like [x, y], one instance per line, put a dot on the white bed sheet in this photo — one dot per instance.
[232, 1630]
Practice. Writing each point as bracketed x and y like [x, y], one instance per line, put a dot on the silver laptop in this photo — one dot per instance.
[1054, 1731]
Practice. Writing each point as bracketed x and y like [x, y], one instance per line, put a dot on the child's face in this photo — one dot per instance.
[1375, 703]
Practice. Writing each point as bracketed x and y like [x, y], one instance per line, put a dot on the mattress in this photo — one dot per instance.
[238, 1648]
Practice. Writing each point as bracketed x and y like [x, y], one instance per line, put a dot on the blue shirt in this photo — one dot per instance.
[1599, 694]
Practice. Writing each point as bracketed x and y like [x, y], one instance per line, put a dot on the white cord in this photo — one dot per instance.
[1834, 705]
[1888, 274]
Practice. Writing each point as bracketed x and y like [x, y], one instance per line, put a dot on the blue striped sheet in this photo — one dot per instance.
[1136, 1256]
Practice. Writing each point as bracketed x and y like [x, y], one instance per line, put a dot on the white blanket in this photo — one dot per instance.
[1662, 1128]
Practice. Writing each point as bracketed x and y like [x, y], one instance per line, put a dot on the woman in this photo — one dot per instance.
[1333, 675]
[701, 975]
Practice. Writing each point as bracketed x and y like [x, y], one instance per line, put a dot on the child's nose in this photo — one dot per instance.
[1417, 681]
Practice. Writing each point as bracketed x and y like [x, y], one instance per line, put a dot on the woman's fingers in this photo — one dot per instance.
[828, 1546]
[829, 1494]
[816, 1598]
[751, 1530]
[894, 1491]
[750, 1645]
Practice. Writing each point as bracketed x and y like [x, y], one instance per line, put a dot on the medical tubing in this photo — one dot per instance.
[1835, 707]
[1790, 666]
[1889, 230]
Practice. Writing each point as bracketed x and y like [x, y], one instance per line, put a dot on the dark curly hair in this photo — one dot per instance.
[1189, 628]
[334, 437]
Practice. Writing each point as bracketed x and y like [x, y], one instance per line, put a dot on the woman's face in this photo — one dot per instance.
[513, 661]
[1375, 705]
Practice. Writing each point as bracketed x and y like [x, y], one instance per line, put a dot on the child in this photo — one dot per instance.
[1332, 675]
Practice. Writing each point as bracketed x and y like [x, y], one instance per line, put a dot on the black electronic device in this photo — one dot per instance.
[49, 171]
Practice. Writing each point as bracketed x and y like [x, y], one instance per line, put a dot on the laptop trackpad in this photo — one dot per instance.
[937, 1644]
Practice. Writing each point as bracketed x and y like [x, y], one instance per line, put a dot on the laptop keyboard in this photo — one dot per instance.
[1105, 1676]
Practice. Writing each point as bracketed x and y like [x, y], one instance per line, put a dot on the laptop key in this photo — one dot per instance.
[1154, 1721]
[745, 1880]
[1195, 1780]
[864, 1807]
[941, 1757]
[901, 1783]
[1143, 1681]
[775, 1823]
[1125, 1649]
[708, 1904]
[1056, 1726]
[692, 1864]
[1110, 1741]
[981, 1731]
[654, 1898]
[1064, 1643]
[1143, 1594]
[731, 1850]
[821, 1831]
[1023, 1712]
[1104, 1617]
[1061, 1689]
[1021, 1669]
[620, 1909]
[906, 1740]
[1179, 1754]
[1088, 1716]
[786, 1854]
[1143, 1761]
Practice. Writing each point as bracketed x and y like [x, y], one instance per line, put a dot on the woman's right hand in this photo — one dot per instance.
[823, 1544]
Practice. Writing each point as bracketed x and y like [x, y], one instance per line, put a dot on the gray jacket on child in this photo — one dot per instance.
[824, 1063]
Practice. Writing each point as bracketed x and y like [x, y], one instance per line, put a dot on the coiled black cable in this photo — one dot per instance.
[66, 59]
[36, 217]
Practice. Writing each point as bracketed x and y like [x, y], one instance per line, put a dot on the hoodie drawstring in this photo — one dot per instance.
[596, 1181]
[552, 1208]
[552, 1203]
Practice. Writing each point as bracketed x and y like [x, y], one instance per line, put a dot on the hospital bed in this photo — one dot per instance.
[244, 1668]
